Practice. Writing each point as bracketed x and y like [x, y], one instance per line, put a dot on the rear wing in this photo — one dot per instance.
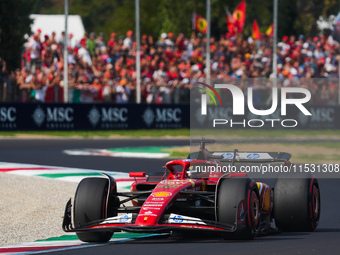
[257, 157]
[236, 156]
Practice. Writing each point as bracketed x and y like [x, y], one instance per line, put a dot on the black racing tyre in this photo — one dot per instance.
[230, 193]
[90, 205]
[297, 204]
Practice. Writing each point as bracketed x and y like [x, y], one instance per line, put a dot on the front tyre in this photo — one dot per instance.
[231, 192]
[297, 204]
[90, 205]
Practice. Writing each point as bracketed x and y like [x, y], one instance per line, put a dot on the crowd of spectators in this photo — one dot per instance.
[104, 70]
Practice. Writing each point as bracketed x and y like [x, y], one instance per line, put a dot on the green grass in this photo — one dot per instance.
[179, 154]
[316, 158]
[290, 143]
[142, 149]
[328, 145]
[263, 133]
[186, 133]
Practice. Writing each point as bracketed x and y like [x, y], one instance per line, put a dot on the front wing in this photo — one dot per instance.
[170, 222]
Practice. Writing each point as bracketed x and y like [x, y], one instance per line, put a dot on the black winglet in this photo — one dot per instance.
[67, 222]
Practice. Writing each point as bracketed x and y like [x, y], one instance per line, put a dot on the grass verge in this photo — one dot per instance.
[268, 134]
[179, 154]
[291, 134]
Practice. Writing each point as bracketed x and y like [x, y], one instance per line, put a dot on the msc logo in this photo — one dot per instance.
[7, 114]
[53, 114]
[162, 115]
[59, 114]
[110, 115]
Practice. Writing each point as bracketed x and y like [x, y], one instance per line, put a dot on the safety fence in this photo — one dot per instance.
[33, 116]
[37, 116]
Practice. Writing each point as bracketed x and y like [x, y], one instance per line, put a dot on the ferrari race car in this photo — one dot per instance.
[194, 194]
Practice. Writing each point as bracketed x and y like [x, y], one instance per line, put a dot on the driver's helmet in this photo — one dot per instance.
[197, 172]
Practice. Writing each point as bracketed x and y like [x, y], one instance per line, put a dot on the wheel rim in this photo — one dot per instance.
[254, 210]
[315, 203]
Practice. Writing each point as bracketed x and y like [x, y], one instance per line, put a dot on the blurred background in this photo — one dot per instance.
[102, 48]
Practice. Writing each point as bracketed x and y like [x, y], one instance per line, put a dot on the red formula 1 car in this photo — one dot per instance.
[194, 194]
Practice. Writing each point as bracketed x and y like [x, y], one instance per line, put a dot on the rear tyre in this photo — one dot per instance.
[90, 205]
[231, 192]
[297, 204]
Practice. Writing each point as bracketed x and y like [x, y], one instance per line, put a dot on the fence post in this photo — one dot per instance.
[65, 55]
[207, 59]
[138, 92]
[275, 43]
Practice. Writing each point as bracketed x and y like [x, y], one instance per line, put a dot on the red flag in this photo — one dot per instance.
[256, 31]
[199, 23]
[270, 30]
[239, 16]
[230, 23]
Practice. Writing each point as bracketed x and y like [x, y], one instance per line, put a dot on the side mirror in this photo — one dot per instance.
[137, 174]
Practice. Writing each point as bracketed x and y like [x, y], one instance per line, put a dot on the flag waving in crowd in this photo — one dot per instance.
[235, 22]
[270, 30]
[239, 16]
[199, 23]
[256, 31]
[230, 23]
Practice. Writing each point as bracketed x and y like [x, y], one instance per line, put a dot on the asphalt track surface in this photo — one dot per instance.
[325, 240]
